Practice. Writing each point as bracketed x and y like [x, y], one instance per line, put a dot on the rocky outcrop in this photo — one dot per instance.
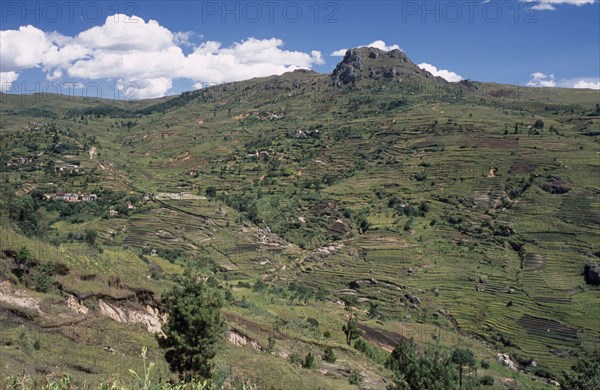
[347, 71]
[371, 63]
[236, 337]
[468, 85]
[505, 360]
[591, 273]
[150, 317]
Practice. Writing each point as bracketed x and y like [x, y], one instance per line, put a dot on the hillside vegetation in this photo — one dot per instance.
[460, 215]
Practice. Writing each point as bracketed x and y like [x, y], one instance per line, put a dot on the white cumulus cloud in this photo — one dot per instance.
[378, 44]
[539, 79]
[549, 5]
[443, 73]
[118, 34]
[587, 84]
[144, 54]
[23, 48]
[143, 88]
[6, 80]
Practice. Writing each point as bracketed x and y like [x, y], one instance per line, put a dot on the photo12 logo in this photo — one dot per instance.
[269, 11]
[120, 90]
[92, 12]
[493, 11]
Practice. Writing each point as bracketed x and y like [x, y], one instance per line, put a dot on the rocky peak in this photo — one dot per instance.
[370, 63]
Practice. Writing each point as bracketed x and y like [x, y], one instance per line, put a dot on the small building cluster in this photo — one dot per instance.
[263, 154]
[34, 126]
[19, 161]
[61, 167]
[70, 197]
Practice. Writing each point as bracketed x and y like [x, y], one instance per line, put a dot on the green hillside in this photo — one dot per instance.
[464, 212]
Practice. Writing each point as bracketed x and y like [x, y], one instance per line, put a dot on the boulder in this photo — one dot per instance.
[354, 284]
[505, 360]
[592, 273]
[413, 299]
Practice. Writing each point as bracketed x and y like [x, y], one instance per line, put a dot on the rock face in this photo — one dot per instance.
[370, 63]
[151, 318]
[592, 273]
[347, 71]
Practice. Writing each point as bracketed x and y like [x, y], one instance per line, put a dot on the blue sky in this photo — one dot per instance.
[144, 49]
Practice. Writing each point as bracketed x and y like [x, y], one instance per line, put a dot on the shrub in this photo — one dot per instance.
[355, 378]
[295, 358]
[313, 322]
[329, 355]
[420, 177]
[271, 343]
[23, 255]
[41, 279]
[309, 361]
[486, 380]
[90, 236]
[211, 192]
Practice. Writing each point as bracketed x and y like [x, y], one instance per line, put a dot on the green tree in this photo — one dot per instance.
[329, 355]
[432, 369]
[211, 192]
[462, 358]
[41, 278]
[585, 373]
[23, 255]
[351, 330]
[349, 302]
[373, 310]
[90, 236]
[23, 212]
[309, 360]
[194, 327]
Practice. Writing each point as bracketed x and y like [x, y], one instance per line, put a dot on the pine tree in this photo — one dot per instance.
[462, 358]
[193, 328]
